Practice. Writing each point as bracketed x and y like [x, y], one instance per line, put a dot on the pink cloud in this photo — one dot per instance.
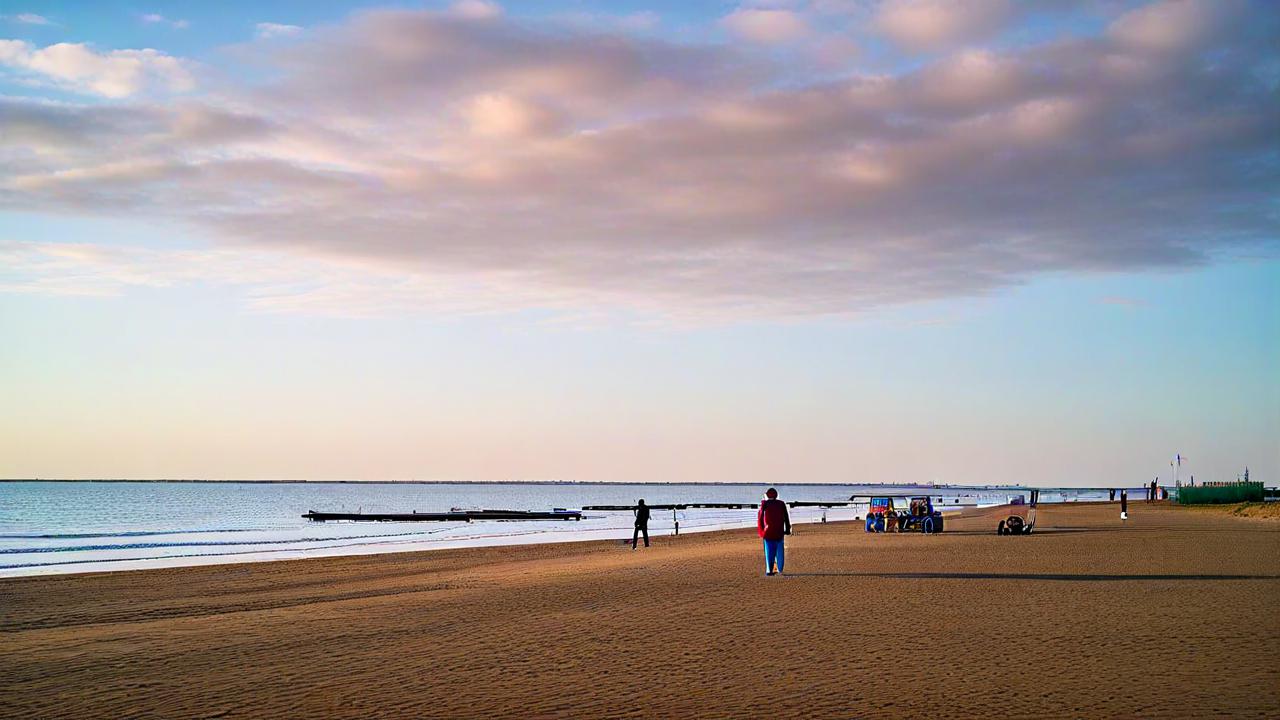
[770, 27]
[588, 166]
[937, 24]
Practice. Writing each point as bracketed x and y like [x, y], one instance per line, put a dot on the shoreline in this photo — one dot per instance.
[375, 547]
[198, 548]
[419, 539]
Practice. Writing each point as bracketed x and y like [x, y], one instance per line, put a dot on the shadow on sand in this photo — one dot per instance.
[1085, 577]
[1042, 531]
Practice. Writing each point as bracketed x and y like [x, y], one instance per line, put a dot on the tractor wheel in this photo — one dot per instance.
[1000, 528]
[926, 526]
[938, 524]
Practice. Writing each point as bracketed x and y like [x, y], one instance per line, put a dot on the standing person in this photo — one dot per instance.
[1153, 490]
[773, 523]
[642, 524]
[1113, 494]
[1124, 504]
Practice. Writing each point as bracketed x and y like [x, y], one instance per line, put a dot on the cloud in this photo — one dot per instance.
[158, 19]
[578, 167]
[268, 30]
[939, 24]
[270, 282]
[28, 19]
[496, 115]
[766, 26]
[476, 9]
[114, 74]
[1175, 25]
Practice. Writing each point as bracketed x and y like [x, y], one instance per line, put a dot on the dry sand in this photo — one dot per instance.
[1175, 614]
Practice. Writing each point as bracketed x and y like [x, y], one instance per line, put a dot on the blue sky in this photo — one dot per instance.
[820, 242]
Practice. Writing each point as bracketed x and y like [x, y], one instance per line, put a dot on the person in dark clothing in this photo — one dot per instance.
[1113, 494]
[1124, 504]
[642, 524]
[773, 523]
[1152, 496]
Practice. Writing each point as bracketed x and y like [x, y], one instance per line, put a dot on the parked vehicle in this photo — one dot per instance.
[918, 515]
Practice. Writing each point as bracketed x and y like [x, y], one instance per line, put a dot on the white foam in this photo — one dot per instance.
[185, 550]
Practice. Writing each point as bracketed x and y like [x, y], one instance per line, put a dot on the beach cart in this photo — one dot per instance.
[1022, 516]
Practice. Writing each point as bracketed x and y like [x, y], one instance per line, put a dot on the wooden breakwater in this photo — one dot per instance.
[717, 505]
[452, 516]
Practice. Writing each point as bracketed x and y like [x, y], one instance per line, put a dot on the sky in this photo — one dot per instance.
[786, 241]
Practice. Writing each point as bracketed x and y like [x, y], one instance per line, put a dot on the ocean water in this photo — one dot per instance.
[64, 527]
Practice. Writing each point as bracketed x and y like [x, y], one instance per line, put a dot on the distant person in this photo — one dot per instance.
[773, 523]
[642, 524]
[1153, 491]
[1124, 504]
[1113, 495]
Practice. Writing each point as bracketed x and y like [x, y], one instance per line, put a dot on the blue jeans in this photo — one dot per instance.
[774, 555]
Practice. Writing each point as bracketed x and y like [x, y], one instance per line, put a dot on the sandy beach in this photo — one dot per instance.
[1173, 614]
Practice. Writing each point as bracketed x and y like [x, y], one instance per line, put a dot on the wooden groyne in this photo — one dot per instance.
[727, 506]
[459, 515]
[453, 516]
[678, 506]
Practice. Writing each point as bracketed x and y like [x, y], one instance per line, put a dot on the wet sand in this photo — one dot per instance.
[1175, 614]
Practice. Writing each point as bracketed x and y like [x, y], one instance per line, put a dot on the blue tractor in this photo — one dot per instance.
[918, 516]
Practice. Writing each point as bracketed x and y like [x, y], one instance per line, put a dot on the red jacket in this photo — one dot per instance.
[772, 522]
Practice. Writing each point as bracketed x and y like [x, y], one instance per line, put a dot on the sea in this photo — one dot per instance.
[50, 527]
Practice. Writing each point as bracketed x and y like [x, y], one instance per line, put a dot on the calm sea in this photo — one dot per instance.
[60, 527]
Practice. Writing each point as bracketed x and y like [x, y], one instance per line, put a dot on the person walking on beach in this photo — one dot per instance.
[1113, 494]
[773, 524]
[1124, 504]
[642, 524]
